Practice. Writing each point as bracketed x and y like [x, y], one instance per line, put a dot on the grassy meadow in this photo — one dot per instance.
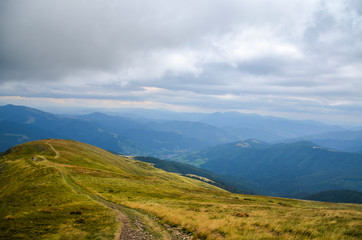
[61, 189]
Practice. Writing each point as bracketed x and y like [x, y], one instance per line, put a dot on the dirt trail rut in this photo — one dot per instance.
[128, 230]
[57, 155]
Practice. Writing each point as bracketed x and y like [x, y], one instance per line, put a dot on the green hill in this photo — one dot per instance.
[287, 170]
[198, 173]
[62, 189]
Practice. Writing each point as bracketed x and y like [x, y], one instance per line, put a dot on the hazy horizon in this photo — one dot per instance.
[171, 115]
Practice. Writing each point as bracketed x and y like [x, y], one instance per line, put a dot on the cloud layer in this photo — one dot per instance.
[273, 57]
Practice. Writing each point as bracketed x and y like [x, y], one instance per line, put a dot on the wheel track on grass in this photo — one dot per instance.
[57, 154]
[126, 231]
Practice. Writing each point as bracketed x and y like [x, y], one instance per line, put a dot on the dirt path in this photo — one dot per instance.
[125, 230]
[128, 229]
[57, 155]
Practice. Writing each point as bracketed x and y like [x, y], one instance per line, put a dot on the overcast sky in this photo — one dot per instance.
[295, 59]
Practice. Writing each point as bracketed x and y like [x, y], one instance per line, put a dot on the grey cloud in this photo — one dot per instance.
[53, 39]
[355, 5]
[226, 54]
[56, 38]
[265, 66]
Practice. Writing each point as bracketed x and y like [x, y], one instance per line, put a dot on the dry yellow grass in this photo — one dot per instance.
[206, 211]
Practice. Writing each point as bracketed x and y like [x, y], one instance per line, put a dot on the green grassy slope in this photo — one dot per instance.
[43, 182]
[61, 189]
[36, 200]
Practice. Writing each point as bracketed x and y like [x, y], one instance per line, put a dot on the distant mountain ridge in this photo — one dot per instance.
[289, 170]
[347, 141]
[148, 137]
[114, 133]
[268, 129]
[13, 133]
[245, 126]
